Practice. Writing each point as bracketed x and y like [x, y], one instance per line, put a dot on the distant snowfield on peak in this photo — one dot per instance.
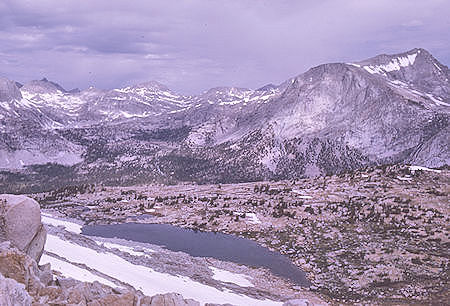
[92, 106]
[394, 65]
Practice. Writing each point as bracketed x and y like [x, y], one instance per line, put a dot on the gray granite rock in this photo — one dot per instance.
[20, 223]
[13, 293]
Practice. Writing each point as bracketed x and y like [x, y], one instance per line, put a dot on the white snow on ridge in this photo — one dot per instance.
[439, 68]
[373, 70]
[58, 99]
[394, 65]
[230, 277]
[149, 281]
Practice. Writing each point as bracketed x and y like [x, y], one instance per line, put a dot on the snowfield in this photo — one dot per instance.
[230, 277]
[70, 270]
[69, 226]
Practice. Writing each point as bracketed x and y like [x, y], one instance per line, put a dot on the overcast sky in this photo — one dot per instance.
[198, 44]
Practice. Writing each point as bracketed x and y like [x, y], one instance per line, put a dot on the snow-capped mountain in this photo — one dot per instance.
[332, 118]
[416, 70]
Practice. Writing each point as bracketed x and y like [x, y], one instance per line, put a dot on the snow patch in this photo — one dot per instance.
[394, 65]
[230, 277]
[231, 102]
[301, 195]
[252, 218]
[69, 226]
[420, 168]
[439, 68]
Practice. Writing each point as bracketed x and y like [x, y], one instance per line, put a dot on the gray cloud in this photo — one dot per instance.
[192, 45]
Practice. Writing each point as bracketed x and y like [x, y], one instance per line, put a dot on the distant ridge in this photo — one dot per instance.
[332, 118]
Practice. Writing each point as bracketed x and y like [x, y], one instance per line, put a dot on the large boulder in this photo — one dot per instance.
[168, 299]
[20, 223]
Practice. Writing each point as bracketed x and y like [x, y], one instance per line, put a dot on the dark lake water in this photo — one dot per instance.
[203, 244]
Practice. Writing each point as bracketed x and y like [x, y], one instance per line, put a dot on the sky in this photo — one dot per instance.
[194, 45]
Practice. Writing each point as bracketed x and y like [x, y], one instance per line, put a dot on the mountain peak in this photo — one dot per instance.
[152, 85]
[9, 90]
[386, 63]
[267, 87]
[416, 66]
[43, 86]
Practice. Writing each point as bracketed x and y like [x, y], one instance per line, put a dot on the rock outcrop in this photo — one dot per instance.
[174, 299]
[17, 265]
[13, 293]
[20, 223]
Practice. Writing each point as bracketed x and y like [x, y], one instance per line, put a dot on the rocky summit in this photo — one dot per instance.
[335, 117]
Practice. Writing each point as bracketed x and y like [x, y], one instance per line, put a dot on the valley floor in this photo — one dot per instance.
[379, 235]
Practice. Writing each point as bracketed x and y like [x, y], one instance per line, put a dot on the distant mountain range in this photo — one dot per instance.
[332, 118]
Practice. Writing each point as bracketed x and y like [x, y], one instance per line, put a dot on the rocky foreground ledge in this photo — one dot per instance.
[24, 282]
